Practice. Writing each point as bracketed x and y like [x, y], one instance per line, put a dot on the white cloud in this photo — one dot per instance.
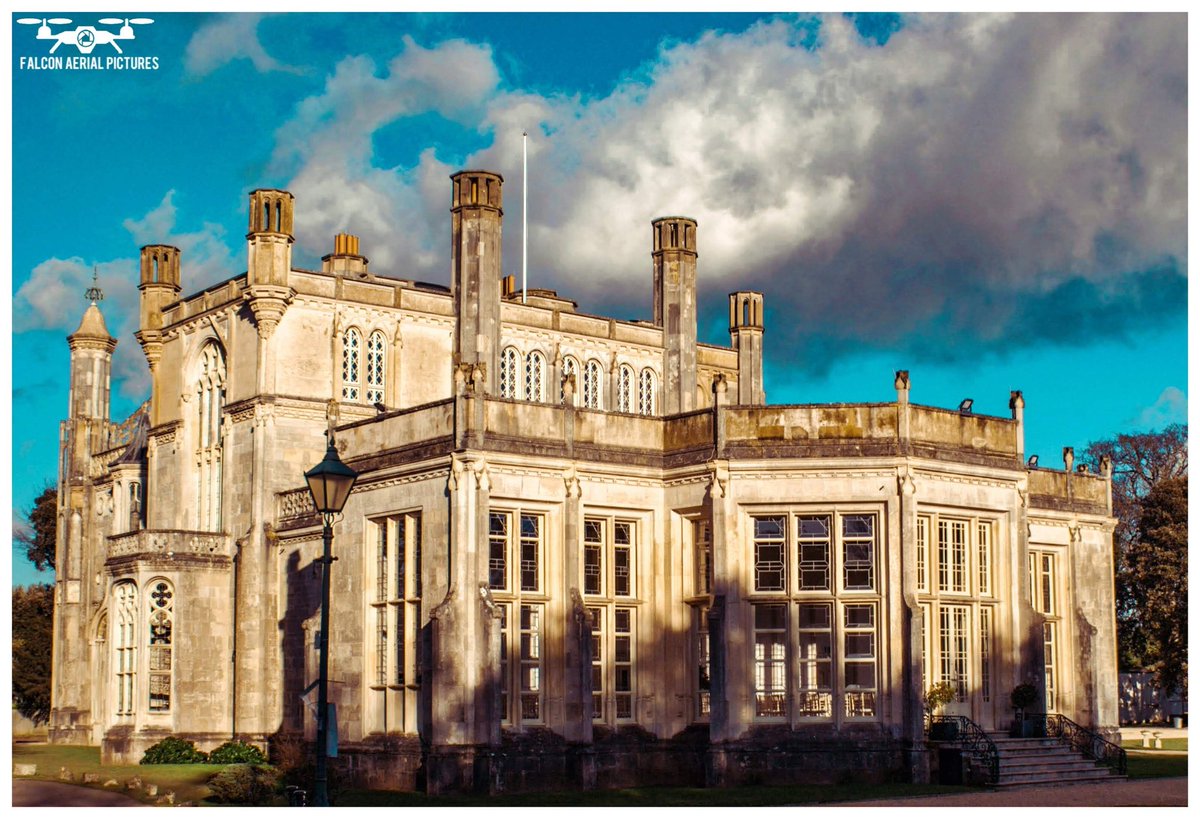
[205, 258]
[52, 298]
[951, 181]
[226, 39]
[327, 149]
[1169, 408]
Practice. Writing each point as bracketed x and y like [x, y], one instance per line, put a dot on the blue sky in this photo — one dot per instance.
[990, 202]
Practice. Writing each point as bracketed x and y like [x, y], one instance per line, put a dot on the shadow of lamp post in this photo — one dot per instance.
[330, 483]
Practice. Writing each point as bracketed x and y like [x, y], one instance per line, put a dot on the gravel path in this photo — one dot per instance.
[1131, 792]
[34, 793]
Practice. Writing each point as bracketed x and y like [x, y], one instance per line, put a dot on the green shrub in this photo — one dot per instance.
[244, 784]
[938, 696]
[232, 753]
[1023, 696]
[173, 751]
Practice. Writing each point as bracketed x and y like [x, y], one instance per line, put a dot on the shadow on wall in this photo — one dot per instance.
[1142, 702]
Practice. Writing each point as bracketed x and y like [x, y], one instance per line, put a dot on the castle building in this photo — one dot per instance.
[581, 552]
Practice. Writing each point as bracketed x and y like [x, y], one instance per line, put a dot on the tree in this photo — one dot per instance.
[1140, 461]
[38, 534]
[32, 633]
[1157, 581]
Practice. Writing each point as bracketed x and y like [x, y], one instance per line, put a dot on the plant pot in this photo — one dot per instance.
[1032, 728]
[943, 732]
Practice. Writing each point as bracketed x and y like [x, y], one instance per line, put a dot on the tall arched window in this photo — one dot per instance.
[351, 354]
[569, 367]
[625, 389]
[535, 377]
[161, 628]
[125, 645]
[591, 385]
[646, 392]
[375, 363]
[508, 372]
[210, 390]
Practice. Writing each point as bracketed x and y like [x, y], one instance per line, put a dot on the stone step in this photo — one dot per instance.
[1043, 761]
[1069, 769]
[1103, 775]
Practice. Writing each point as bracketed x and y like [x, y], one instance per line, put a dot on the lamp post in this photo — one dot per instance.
[330, 483]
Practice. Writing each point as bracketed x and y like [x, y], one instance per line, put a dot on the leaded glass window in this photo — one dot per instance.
[769, 534]
[858, 552]
[813, 547]
[569, 367]
[625, 388]
[646, 392]
[351, 358]
[161, 622]
[591, 385]
[508, 372]
[535, 376]
[210, 404]
[376, 361]
[125, 643]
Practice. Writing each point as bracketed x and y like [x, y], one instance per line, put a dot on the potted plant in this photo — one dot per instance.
[1023, 696]
[938, 697]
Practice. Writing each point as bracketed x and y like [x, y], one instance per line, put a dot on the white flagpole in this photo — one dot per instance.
[524, 210]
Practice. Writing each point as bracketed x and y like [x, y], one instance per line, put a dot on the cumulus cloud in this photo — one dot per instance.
[978, 183]
[1170, 408]
[327, 150]
[205, 257]
[52, 298]
[226, 39]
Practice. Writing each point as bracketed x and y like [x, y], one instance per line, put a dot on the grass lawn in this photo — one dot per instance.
[654, 797]
[186, 781]
[1154, 764]
[1168, 744]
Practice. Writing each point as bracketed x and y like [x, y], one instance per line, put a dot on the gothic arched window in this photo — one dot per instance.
[569, 367]
[535, 376]
[351, 355]
[210, 390]
[625, 389]
[125, 645]
[376, 347]
[161, 626]
[646, 392]
[508, 372]
[591, 385]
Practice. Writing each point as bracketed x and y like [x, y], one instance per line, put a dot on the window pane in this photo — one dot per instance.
[768, 554]
[498, 550]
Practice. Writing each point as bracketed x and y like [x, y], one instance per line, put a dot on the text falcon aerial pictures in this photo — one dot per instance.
[85, 39]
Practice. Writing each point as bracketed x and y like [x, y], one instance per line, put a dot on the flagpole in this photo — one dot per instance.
[524, 210]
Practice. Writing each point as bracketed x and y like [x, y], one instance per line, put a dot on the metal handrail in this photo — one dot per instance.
[1085, 741]
[974, 741]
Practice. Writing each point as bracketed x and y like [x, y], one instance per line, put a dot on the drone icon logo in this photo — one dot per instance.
[85, 38]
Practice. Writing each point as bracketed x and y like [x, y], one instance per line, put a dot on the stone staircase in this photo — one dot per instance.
[1044, 761]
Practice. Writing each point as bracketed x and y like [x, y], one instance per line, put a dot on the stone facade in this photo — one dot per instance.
[581, 552]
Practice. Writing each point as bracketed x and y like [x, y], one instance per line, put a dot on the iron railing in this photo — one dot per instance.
[1084, 740]
[973, 740]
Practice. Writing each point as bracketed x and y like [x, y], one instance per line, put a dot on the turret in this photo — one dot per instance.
[159, 285]
[476, 217]
[674, 255]
[269, 260]
[746, 335]
[91, 363]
